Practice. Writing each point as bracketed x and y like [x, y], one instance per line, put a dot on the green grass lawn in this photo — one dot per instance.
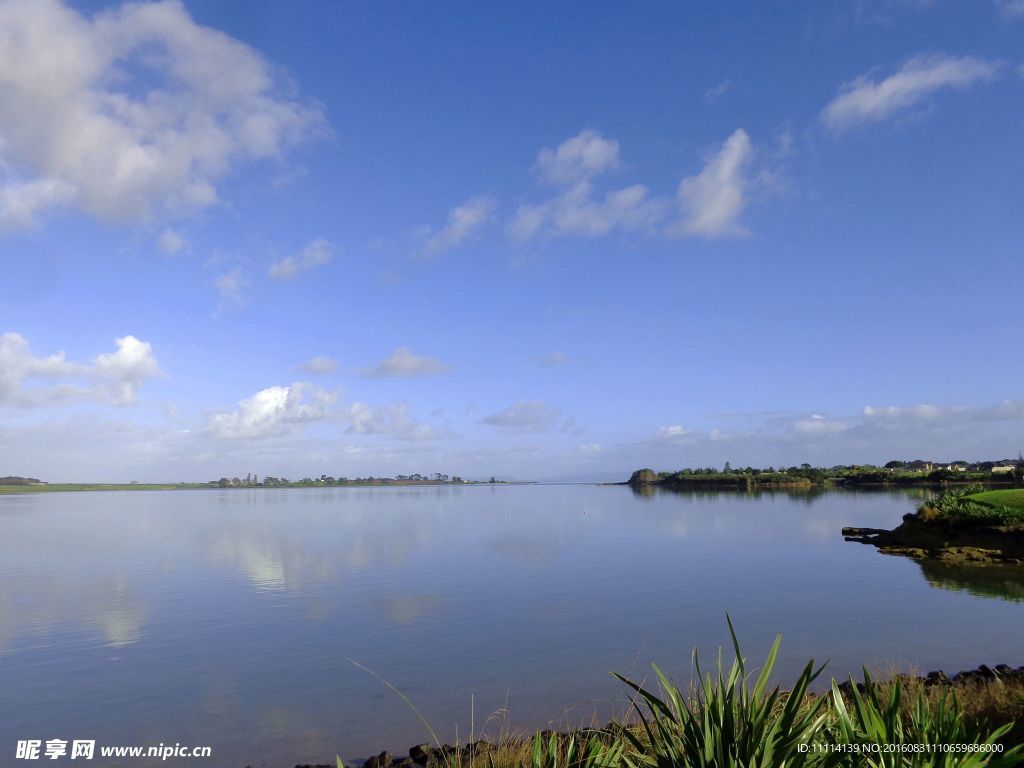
[1013, 498]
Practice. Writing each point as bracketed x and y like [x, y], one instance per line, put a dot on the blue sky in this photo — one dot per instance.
[507, 239]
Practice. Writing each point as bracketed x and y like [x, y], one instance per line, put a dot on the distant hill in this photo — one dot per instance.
[9, 480]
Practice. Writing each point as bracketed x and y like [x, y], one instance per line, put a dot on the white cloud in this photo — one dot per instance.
[18, 365]
[273, 412]
[320, 364]
[875, 435]
[711, 202]
[123, 372]
[20, 201]
[403, 363]
[132, 113]
[864, 100]
[463, 221]
[170, 241]
[670, 433]
[576, 212]
[897, 413]
[580, 158]
[1011, 9]
[711, 95]
[230, 286]
[315, 254]
[389, 420]
[28, 381]
[816, 424]
[525, 416]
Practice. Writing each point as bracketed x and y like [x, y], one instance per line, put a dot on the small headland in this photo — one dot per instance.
[968, 525]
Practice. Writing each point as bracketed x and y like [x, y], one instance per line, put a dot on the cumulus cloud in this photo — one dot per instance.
[132, 113]
[273, 412]
[115, 378]
[389, 420]
[21, 201]
[403, 363]
[578, 212]
[864, 100]
[315, 254]
[123, 372]
[582, 157]
[578, 209]
[463, 221]
[525, 416]
[319, 365]
[711, 202]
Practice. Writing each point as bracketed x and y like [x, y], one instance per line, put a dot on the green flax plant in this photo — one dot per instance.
[875, 733]
[726, 722]
[569, 753]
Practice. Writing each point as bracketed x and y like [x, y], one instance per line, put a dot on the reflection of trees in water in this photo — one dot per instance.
[805, 494]
[1003, 582]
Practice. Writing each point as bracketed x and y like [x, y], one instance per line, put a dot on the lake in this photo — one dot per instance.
[236, 618]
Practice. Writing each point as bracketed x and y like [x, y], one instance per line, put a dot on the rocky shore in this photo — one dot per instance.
[951, 542]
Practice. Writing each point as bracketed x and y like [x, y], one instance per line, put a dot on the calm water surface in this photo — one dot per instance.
[230, 618]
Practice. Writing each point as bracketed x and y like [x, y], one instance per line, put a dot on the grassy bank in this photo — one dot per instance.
[1012, 498]
[973, 505]
[733, 719]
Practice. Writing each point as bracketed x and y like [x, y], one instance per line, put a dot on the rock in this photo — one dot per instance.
[420, 754]
[383, 760]
[851, 531]
[936, 678]
[643, 477]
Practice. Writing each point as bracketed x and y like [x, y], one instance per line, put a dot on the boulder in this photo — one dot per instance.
[420, 754]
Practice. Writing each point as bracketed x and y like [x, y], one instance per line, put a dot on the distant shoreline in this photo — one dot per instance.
[808, 477]
[75, 487]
